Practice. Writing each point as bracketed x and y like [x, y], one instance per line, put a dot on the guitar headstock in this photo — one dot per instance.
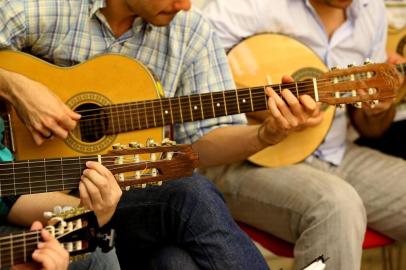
[135, 165]
[358, 84]
[79, 233]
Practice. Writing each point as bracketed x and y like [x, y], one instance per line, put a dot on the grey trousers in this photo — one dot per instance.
[323, 209]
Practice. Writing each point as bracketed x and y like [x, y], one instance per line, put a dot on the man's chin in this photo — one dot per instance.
[162, 20]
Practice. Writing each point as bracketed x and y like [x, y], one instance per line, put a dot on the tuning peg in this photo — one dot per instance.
[117, 146]
[373, 103]
[334, 68]
[350, 65]
[168, 142]
[134, 145]
[150, 143]
[368, 61]
[358, 105]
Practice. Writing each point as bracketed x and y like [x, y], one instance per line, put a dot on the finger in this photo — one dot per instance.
[36, 225]
[38, 138]
[98, 167]
[285, 110]
[72, 114]
[294, 104]
[287, 79]
[46, 257]
[92, 190]
[309, 104]
[85, 197]
[315, 120]
[277, 115]
[100, 181]
[66, 122]
[56, 129]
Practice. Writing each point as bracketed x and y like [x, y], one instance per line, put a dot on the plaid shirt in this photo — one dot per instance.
[185, 55]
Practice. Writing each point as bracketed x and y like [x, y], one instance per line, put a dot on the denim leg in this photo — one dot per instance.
[97, 260]
[189, 213]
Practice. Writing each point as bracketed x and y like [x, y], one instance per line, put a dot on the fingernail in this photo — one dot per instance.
[40, 245]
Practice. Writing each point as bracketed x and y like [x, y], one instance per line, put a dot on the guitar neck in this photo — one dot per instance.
[41, 175]
[168, 111]
[17, 248]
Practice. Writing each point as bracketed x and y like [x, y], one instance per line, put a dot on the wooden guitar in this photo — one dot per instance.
[77, 230]
[257, 57]
[116, 94]
[132, 165]
[397, 43]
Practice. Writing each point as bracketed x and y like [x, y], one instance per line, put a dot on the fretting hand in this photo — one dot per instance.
[287, 114]
[99, 191]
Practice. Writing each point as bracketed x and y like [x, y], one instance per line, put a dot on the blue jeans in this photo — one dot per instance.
[189, 214]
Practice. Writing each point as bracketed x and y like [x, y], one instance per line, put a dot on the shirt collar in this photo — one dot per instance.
[95, 5]
[354, 10]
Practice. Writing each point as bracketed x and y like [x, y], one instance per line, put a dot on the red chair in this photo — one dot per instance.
[280, 247]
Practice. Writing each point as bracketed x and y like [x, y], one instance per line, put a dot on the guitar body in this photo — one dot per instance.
[397, 43]
[273, 55]
[103, 80]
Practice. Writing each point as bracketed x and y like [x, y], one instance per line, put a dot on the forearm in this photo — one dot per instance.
[29, 208]
[372, 126]
[5, 89]
[228, 144]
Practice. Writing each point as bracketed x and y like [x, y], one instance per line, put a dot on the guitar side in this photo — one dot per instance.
[101, 81]
[271, 55]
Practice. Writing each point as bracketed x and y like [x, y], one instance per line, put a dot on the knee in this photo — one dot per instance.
[196, 189]
[340, 206]
[172, 258]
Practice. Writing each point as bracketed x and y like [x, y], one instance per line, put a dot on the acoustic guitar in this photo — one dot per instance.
[116, 94]
[77, 230]
[133, 165]
[261, 56]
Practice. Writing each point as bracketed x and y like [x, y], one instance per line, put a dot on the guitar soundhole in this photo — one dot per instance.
[93, 124]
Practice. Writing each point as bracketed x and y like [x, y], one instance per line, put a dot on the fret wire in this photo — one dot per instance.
[138, 115]
[118, 119]
[238, 101]
[162, 111]
[225, 105]
[131, 118]
[252, 105]
[191, 111]
[153, 113]
[212, 104]
[180, 110]
[201, 106]
[403, 70]
[112, 119]
[170, 109]
[145, 113]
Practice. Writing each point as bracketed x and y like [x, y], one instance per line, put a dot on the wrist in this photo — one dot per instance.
[6, 91]
[261, 136]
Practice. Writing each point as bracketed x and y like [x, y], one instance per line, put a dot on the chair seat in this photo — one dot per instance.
[282, 248]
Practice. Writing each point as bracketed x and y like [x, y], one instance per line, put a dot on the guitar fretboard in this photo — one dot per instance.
[16, 248]
[41, 175]
[167, 111]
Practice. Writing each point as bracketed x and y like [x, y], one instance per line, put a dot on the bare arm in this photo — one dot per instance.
[29, 208]
[42, 111]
